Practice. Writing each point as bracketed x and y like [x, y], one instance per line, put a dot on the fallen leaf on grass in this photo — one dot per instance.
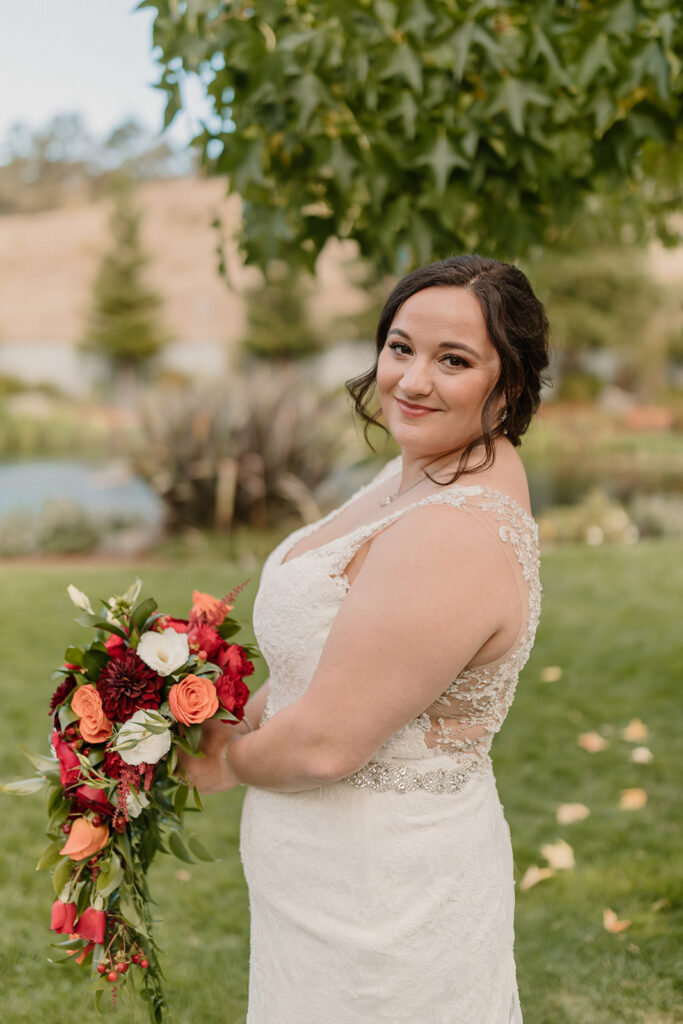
[182, 875]
[632, 799]
[641, 755]
[611, 923]
[659, 904]
[533, 875]
[635, 731]
[592, 742]
[551, 673]
[566, 814]
[559, 855]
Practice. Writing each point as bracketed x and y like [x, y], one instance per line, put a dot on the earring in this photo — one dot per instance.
[503, 419]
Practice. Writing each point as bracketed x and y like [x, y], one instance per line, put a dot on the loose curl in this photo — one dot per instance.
[517, 327]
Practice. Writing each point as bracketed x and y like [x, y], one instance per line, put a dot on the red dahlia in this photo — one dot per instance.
[112, 763]
[126, 685]
[62, 692]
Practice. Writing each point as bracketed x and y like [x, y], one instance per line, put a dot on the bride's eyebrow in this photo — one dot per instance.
[442, 344]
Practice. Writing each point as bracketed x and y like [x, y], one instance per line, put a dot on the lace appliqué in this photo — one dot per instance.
[300, 598]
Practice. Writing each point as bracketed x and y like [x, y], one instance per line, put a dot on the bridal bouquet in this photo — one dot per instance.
[124, 706]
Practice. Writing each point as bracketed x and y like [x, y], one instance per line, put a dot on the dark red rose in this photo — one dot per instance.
[168, 622]
[232, 660]
[69, 765]
[90, 798]
[232, 693]
[204, 640]
[63, 917]
[62, 692]
[126, 685]
[92, 925]
[113, 763]
[115, 645]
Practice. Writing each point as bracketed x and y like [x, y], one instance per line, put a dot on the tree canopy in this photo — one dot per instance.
[417, 127]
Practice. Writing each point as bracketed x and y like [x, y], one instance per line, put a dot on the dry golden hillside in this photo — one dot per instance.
[48, 260]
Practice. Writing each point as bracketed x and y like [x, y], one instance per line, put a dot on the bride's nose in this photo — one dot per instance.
[416, 379]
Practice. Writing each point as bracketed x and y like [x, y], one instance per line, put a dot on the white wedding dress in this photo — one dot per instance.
[387, 896]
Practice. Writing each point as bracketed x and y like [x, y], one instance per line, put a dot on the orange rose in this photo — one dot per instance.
[209, 609]
[84, 840]
[193, 700]
[94, 725]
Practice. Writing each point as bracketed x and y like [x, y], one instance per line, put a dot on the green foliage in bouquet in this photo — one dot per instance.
[123, 708]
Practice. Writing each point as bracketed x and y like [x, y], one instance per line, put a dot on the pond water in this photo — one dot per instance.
[105, 489]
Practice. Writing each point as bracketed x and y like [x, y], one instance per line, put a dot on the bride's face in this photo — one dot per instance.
[436, 370]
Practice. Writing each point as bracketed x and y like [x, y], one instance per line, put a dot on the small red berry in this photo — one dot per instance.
[136, 958]
[96, 820]
[101, 968]
[122, 968]
[144, 964]
[112, 976]
[85, 751]
[66, 828]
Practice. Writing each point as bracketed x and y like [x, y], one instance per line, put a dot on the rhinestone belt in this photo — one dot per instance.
[384, 777]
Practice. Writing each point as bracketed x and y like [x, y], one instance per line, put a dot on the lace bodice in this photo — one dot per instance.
[299, 598]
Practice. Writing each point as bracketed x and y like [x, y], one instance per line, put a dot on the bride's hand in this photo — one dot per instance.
[211, 773]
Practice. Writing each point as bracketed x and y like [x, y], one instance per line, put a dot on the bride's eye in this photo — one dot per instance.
[454, 361]
[399, 347]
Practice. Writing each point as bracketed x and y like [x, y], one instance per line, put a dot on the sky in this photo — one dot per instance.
[89, 56]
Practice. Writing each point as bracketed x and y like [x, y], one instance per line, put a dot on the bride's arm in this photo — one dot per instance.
[432, 590]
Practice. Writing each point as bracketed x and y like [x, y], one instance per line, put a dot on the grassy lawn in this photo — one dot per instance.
[611, 621]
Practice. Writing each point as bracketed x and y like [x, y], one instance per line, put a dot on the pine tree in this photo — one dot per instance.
[277, 322]
[123, 325]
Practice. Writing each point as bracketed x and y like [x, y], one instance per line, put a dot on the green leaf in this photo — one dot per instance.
[62, 874]
[23, 787]
[130, 913]
[178, 848]
[193, 735]
[93, 663]
[596, 57]
[198, 803]
[66, 716]
[43, 764]
[110, 879]
[109, 627]
[180, 800]
[404, 64]
[462, 40]
[199, 850]
[442, 157]
[74, 655]
[50, 855]
[143, 611]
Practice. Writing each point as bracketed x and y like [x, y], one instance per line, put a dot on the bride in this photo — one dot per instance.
[373, 840]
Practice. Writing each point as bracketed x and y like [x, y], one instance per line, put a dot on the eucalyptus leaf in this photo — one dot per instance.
[23, 787]
[62, 874]
[199, 850]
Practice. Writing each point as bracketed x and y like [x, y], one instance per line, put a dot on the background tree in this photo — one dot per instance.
[123, 326]
[278, 325]
[417, 127]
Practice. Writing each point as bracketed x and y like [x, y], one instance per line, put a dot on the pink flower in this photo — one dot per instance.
[115, 645]
[204, 640]
[63, 917]
[91, 925]
[69, 767]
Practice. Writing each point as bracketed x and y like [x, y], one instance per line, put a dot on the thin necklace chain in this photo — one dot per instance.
[399, 494]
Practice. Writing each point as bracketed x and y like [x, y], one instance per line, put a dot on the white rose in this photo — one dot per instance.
[80, 599]
[144, 737]
[164, 652]
[136, 802]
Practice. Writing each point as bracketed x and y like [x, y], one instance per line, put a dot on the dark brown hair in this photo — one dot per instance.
[517, 327]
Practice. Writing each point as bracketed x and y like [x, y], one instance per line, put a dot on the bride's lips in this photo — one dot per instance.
[413, 410]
